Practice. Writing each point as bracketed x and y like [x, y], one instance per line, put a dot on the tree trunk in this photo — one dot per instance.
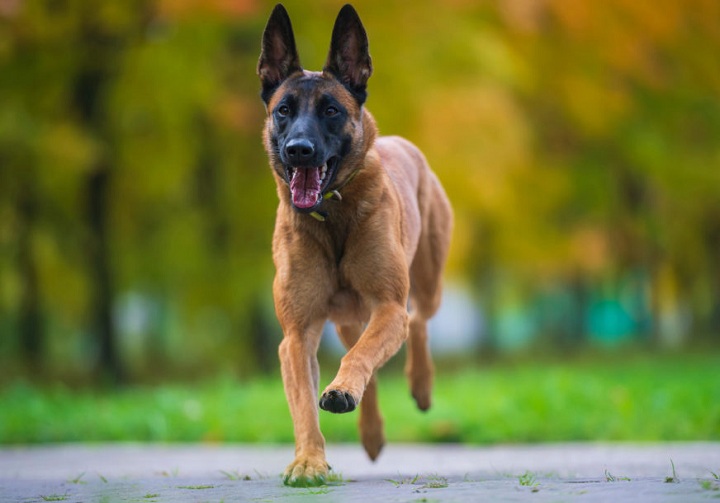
[109, 361]
[30, 312]
[264, 339]
[91, 84]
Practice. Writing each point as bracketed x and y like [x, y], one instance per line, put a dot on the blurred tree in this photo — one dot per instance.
[30, 310]
[577, 142]
[102, 43]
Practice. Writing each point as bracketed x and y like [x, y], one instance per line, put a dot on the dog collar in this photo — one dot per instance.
[320, 216]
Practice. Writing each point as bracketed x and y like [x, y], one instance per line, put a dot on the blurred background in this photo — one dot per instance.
[579, 143]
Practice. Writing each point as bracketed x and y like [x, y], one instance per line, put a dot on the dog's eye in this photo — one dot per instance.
[331, 111]
[283, 110]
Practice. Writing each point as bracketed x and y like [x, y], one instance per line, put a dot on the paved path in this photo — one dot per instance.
[404, 473]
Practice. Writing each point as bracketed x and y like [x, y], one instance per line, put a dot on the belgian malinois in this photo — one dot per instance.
[361, 237]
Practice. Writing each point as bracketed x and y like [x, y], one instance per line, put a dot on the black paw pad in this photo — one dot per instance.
[337, 402]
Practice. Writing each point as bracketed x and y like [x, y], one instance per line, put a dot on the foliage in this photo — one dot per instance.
[632, 398]
[577, 142]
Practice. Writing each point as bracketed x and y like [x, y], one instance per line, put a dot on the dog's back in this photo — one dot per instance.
[427, 211]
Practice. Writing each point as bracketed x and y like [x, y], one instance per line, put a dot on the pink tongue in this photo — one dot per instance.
[305, 187]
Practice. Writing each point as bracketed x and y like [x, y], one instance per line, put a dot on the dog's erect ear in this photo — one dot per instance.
[349, 59]
[279, 57]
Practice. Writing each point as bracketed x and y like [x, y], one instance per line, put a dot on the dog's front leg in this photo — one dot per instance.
[300, 373]
[385, 333]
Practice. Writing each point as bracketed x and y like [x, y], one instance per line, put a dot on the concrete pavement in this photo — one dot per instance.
[404, 473]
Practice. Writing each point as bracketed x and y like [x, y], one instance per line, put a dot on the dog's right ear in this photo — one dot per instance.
[279, 57]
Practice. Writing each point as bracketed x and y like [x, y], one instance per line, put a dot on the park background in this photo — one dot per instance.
[578, 143]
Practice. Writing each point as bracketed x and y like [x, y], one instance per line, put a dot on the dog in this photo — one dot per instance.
[361, 237]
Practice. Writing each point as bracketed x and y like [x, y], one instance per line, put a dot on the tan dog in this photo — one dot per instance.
[362, 227]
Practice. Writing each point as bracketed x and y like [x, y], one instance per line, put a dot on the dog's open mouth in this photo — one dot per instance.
[308, 184]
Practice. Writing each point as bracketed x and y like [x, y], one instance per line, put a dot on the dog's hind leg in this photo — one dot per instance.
[370, 422]
[425, 294]
[418, 366]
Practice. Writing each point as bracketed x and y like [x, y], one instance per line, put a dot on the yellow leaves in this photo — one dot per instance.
[591, 249]
[595, 104]
[606, 19]
[493, 57]
[576, 17]
[479, 141]
[659, 20]
[183, 9]
[66, 149]
[510, 101]
[63, 283]
[523, 15]
[240, 114]
[463, 244]
[474, 137]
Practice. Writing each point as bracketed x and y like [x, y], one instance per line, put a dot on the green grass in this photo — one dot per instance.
[235, 475]
[527, 479]
[673, 478]
[425, 481]
[78, 479]
[709, 485]
[55, 497]
[634, 398]
[435, 482]
[609, 477]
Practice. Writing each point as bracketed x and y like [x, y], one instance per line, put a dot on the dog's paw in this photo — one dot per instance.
[337, 402]
[420, 386]
[306, 472]
[422, 399]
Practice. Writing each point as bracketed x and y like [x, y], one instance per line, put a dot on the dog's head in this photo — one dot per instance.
[314, 127]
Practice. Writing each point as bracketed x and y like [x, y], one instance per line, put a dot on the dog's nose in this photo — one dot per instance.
[299, 150]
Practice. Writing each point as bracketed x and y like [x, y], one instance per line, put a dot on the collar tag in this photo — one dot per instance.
[318, 215]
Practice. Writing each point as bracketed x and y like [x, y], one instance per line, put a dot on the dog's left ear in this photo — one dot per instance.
[349, 60]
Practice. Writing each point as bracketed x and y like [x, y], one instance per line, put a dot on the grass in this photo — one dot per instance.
[315, 491]
[78, 479]
[427, 481]
[435, 482]
[235, 475]
[527, 479]
[334, 479]
[402, 481]
[709, 485]
[673, 478]
[640, 397]
[609, 477]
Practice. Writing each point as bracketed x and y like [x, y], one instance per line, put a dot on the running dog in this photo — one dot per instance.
[361, 237]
